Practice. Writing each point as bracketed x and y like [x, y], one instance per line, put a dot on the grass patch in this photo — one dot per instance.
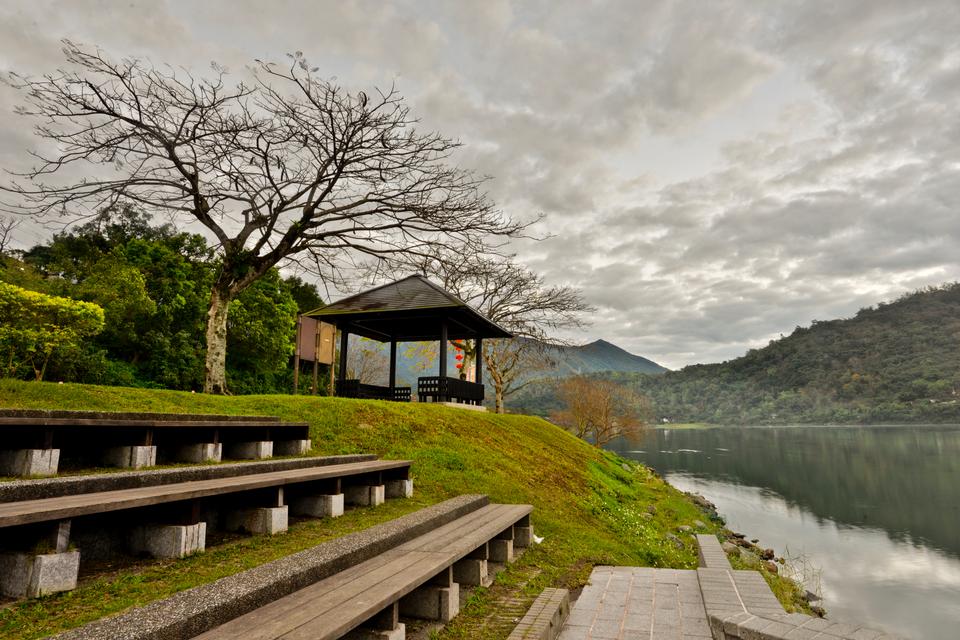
[591, 507]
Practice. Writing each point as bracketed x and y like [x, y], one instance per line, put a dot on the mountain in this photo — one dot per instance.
[599, 355]
[895, 362]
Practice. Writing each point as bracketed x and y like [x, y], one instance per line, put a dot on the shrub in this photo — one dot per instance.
[33, 325]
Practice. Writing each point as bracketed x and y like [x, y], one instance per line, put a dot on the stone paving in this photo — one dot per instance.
[623, 603]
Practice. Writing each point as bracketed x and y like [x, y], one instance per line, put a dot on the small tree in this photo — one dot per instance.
[600, 410]
[33, 325]
[289, 167]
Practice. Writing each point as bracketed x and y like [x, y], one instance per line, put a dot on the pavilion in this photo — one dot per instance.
[410, 310]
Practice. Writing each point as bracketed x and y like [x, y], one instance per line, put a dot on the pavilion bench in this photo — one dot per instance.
[170, 520]
[357, 389]
[34, 442]
[446, 389]
[418, 579]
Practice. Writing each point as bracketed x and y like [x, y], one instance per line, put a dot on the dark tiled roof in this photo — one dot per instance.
[413, 292]
[411, 309]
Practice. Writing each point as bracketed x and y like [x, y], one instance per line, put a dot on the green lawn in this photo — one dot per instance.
[590, 506]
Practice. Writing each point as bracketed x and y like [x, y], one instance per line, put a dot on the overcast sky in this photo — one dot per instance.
[714, 173]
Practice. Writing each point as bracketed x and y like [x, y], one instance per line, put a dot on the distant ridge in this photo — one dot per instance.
[594, 357]
[896, 362]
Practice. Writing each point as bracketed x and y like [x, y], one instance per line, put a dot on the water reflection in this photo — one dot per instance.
[876, 509]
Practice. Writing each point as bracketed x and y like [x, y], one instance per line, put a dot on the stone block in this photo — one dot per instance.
[522, 536]
[472, 572]
[169, 541]
[397, 633]
[261, 520]
[322, 506]
[501, 551]
[256, 450]
[432, 603]
[200, 452]
[365, 495]
[30, 575]
[29, 462]
[291, 447]
[398, 488]
[135, 457]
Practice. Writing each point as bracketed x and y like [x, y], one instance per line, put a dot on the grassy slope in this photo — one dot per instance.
[587, 506]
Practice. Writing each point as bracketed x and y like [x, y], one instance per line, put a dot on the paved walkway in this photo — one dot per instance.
[639, 602]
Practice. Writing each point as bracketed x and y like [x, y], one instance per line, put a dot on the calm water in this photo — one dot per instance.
[874, 511]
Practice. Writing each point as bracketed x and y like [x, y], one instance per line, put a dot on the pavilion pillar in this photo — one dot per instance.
[393, 365]
[443, 362]
[344, 342]
[478, 351]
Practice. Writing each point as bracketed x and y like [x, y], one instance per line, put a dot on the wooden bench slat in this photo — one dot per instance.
[286, 615]
[486, 526]
[45, 509]
[335, 605]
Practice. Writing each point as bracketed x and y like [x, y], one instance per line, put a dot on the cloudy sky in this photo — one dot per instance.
[713, 173]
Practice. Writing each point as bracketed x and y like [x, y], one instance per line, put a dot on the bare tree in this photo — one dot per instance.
[601, 410]
[367, 362]
[7, 226]
[287, 167]
[516, 298]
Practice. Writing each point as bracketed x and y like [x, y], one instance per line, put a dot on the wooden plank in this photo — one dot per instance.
[332, 607]
[362, 584]
[44, 509]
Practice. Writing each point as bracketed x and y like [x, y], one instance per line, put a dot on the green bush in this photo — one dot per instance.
[33, 325]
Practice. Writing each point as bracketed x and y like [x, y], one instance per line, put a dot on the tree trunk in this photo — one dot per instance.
[216, 363]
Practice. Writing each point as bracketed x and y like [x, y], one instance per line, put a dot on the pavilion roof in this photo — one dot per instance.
[408, 310]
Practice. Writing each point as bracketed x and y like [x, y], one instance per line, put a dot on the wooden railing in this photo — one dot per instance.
[440, 389]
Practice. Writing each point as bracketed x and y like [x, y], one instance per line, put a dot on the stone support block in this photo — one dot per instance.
[398, 488]
[322, 506]
[169, 541]
[472, 572]
[291, 447]
[523, 536]
[261, 520]
[200, 452]
[385, 625]
[432, 603]
[397, 633]
[256, 450]
[501, 551]
[365, 495]
[32, 575]
[134, 457]
[29, 462]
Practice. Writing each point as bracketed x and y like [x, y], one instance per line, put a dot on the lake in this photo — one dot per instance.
[872, 513]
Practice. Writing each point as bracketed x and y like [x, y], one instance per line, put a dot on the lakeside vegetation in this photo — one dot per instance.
[590, 506]
[897, 362]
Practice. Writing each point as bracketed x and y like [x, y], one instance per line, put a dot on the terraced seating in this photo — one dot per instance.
[34, 443]
[356, 586]
[419, 579]
[170, 520]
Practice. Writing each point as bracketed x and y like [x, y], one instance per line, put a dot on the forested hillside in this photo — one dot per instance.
[896, 362]
[153, 283]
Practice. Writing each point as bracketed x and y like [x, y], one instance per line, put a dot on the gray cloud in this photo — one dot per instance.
[713, 174]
